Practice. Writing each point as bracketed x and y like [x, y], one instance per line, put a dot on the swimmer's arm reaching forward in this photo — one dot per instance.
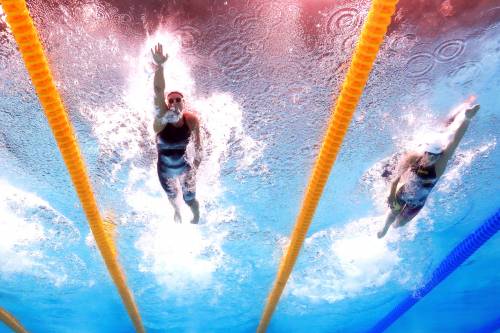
[458, 127]
[159, 87]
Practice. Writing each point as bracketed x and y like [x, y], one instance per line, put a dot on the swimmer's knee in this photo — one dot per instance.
[401, 221]
[405, 221]
[171, 192]
[189, 198]
[191, 203]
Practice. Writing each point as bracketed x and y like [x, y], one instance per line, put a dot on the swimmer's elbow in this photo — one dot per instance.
[157, 126]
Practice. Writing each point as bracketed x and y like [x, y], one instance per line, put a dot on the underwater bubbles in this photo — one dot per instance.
[190, 37]
[94, 13]
[250, 25]
[491, 18]
[271, 11]
[420, 87]
[3, 62]
[339, 265]
[400, 43]
[231, 56]
[348, 44]
[32, 233]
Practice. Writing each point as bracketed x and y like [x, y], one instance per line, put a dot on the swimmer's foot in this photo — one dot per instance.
[177, 217]
[382, 233]
[195, 208]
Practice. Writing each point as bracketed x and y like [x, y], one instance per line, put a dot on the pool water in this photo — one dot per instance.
[262, 76]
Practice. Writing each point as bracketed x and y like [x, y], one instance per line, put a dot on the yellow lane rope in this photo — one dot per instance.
[371, 38]
[10, 321]
[32, 52]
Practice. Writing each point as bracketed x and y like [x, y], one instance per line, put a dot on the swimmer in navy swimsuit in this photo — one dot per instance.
[419, 172]
[174, 129]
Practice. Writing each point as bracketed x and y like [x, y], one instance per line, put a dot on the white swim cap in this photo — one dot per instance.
[433, 146]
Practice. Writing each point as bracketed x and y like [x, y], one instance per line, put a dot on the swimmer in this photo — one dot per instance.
[418, 172]
[174, 128]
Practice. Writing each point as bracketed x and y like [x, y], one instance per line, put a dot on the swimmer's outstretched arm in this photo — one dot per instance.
[159, 87]
[459, 125]
[459, 109]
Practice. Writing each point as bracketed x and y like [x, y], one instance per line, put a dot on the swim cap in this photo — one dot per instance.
[434, 146]
[175, 92]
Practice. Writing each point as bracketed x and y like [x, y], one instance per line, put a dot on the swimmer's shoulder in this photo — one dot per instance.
[410, 158]
[191, 119]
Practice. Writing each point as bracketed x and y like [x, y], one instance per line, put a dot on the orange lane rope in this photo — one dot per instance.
[371, 38]
[10, 321]
[37, 65]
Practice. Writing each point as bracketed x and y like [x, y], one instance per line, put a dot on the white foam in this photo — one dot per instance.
[181, 256]
[463, 158]
[346, 262]
[29, 228]
[2, 16]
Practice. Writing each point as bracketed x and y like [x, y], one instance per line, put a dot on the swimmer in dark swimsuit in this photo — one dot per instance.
[418, 172]
[174, 129]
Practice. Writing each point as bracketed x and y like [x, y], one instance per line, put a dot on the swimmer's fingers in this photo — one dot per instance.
[158, 56]
[471, 112]
[471, 99]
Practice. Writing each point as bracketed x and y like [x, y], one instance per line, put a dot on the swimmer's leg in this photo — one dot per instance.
[407, 214]
[391, 217]
[188, 184]
[195, 209]
[401, 221]
[169, 185]
[177, 211]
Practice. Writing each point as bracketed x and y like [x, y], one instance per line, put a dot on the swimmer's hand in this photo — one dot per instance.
[390, 201]
[471, 111]
[158, 56]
